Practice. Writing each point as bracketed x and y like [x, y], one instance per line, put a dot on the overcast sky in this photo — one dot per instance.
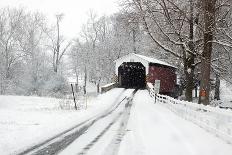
[75, 11]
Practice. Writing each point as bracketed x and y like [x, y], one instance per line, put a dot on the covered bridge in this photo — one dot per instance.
[134, 70]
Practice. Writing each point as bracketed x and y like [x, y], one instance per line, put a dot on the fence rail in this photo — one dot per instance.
[108, 87]
[212, 119]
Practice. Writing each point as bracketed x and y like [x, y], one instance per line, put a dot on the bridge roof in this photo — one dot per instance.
[153, 60]
[148, 59]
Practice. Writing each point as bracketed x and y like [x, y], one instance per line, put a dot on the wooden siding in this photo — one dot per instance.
[166, 75]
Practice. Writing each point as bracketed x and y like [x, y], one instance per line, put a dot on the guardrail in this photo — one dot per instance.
[212, 119]
[108, 87]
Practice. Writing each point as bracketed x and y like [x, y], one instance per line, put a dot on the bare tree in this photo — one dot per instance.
[31, 42]
[222, 44]
[173, 26]
[102, 39]
[58, 44]
[90, 34]
[10, 25]
[24, 65]
[209, 28]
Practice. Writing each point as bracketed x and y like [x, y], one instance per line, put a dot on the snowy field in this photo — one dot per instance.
[26, 121]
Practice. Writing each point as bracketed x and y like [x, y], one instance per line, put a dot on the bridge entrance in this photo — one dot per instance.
[132, 75]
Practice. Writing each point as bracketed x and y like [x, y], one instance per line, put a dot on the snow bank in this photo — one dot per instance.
[225, 94]
[213, 119]
[154, 129]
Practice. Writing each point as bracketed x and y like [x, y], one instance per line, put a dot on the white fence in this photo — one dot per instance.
[108, 87]
[213, 119]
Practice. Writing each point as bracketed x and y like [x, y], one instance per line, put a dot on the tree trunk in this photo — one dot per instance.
[85, 79]
[209, 26]
[98, 85]
[77, 83]
[189, 60]
[217, 88]
[134, 40]
[189, 87]
[77, 77]
[7, 65]
[189, 75]
[1, 85]
[195, 91]
[57, 50]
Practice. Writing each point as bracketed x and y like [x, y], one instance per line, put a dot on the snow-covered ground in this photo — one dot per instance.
[97, 138]
[226, 94]
[153, 129]
[26, 121]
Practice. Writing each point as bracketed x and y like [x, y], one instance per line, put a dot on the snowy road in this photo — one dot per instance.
[29, 122]
[145, 128]
[153, 129]
[86, 133]
[109, 129]
[119, 126]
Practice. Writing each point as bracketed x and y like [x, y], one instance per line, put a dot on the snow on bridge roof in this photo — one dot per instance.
[132, 57]
[148, 59]
[153, 60]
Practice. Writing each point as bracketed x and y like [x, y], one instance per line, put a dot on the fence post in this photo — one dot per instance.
[86, 100]
[74, 97]
[155, 98]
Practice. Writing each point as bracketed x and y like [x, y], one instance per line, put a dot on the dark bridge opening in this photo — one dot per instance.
[132, 75]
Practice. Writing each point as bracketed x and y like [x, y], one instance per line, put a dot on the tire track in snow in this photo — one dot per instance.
[113, 147]
[90, 145]
[115, 143]
[57, 143]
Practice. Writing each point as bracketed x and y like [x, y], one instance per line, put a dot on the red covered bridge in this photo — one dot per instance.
[134, 70]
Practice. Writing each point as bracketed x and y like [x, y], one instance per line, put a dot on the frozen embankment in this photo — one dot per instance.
[154, 129]
[27, 121]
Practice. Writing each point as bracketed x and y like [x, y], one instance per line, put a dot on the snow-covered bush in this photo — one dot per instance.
[56, 86]
[66, 104]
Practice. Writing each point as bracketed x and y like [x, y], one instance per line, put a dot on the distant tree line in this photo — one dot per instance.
[195, 32]
[30, 54]
[194, 35]
[103, 40]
